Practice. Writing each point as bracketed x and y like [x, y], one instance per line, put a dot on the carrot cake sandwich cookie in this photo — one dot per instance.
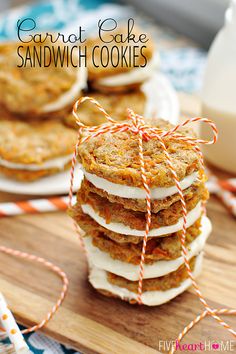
[109, 73]
[31, 150]
[34, 86]
[115, 105]
[111, 209]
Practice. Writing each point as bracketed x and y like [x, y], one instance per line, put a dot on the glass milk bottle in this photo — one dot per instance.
[219, 95]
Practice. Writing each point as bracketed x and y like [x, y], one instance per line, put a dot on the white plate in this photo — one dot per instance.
[52, 185]
[162, 103]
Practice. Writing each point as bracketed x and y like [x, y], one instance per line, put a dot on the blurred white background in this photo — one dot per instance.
[198, 19]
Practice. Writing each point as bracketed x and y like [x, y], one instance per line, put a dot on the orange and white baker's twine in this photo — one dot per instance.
[136, 125]
[50, 266]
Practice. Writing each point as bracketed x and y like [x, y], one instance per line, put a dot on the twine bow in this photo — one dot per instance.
[136, 125]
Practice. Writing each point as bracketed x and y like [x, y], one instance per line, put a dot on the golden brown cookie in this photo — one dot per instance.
[33, 90]
[29, 151]
[155, 291]
[116, 213]
[141, 204]
[115, 105]
[158, 248]
[91, 227]
[166, 282]
[115, 157]
[118, 67]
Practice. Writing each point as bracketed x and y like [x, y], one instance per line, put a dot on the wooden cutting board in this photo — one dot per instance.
[92, 323]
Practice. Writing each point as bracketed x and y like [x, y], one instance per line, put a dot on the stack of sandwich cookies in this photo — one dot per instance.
[34, 141]
[111, 209]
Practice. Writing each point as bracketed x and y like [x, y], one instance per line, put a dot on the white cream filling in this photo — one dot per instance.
[71, 95]
[128, 192]
[133, 76]
[98, 280]
[103, 260]
[120, 228]
[58, 162]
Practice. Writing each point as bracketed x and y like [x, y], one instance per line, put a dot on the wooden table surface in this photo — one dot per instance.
[91, 322]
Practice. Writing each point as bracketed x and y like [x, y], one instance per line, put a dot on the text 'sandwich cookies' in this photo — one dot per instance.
[31, 150]
[34, 89]
[111, 209]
